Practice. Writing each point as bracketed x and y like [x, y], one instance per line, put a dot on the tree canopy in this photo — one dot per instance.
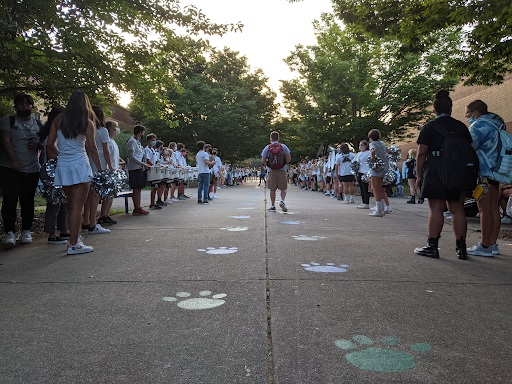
[484, 58]
[349, 83]
[221, 100]
[52, 47]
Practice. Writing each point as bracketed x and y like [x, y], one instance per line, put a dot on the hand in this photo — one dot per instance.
[16, 165]
[418, 183]
[33, 145]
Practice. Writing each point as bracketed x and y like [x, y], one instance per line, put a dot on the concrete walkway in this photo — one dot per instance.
[229, 293]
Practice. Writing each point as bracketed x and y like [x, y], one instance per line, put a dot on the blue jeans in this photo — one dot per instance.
[204, 182]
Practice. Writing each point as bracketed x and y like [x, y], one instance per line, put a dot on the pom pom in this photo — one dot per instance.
[50, 167]
[508, 210]
[354, 167]
[389, 177]
[366, 177]
[377, 165]
[394, 153]
[107, 184]
[52, 194]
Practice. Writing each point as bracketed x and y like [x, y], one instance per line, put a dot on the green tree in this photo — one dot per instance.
[484, 58]
[349, 84]
[52, 47]
[222, 101]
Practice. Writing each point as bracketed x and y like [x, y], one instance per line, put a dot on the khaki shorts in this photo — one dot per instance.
[277, 180]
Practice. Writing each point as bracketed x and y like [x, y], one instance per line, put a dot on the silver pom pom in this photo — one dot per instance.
[389, 177]
[50, 167]
[354, 167]
[53, 195]
[377, 165]
[366, 177]
[394, 153]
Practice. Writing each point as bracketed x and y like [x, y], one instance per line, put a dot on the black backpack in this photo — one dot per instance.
[459, 163]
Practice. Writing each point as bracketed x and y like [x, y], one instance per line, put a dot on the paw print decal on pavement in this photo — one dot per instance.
[328, 267]
[380, 359]
[196, 303]
[235, 229]
[220, 251]
[246, 208]
[293, 222]
[240, 217]
[309, 238]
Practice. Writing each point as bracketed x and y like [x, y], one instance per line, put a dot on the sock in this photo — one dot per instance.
[351, 197]
[379, 205]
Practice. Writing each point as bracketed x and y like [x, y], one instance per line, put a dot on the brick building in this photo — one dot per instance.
[122, 117]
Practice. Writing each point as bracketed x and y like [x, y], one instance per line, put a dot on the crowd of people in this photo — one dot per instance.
[80, 142]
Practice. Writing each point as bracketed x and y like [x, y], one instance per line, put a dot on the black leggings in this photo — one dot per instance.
[17, 185]
[365, 195]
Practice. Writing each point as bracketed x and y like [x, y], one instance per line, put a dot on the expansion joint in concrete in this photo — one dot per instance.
[270, 357]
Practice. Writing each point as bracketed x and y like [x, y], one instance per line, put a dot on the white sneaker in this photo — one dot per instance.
[283, 206]
[479, 250]
[363, 206]
[10, 238]
[506, 220]
[352, 202]
[175, 200]
[495, 249]
[98, 230]
[345, 201]
[377, 214]
[78, 248]
[168, 201]
[388, 209]
[214, 195]
[26, 237]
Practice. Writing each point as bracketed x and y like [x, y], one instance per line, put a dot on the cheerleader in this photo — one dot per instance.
[361, 158]
[378, 150]
[344, 174]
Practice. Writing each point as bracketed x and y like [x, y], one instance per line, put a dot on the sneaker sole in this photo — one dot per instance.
[283, 207]
[80, 251]
[480, 254]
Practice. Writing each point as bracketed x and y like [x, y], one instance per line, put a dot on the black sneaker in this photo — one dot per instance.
[64, 236]
[428, 251]
[272, 209]
[110, 220]
[199, 201]
[160, 203]
[186, 197]
[56, 240]
[154, 206]
[206, 202]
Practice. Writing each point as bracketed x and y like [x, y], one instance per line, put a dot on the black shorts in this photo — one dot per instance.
[137, 178]
[347, 178]
[492, 182]
[328, 179]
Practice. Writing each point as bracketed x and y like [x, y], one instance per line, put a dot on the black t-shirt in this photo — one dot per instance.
[434, 140]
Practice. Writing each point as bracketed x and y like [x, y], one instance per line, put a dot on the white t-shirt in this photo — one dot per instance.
[151, 154]
[361, 159]
[344, 167]
[114, 153]
[200, 158]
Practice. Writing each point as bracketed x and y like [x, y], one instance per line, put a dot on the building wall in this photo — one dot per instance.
[122, 117]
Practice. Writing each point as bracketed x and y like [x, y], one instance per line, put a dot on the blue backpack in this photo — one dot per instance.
[502, 172]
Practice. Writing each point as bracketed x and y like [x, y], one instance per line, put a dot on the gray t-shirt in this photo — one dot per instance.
[21, 134]
[200, 158]
[381, 151]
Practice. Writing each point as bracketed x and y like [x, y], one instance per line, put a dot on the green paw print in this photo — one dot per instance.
[310, 238]
[380, 359]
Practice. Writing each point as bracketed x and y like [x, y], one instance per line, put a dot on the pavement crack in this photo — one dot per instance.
[270, 357]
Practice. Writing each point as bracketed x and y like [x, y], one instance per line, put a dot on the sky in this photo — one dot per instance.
[272, 29]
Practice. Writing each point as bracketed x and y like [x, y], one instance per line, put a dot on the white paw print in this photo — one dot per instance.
[246, 208]
[328, 267]
[220, 251]
[235, 229]
[310, 238]
[240, 217]
[248, 203]
[198, 302]
[293, 222]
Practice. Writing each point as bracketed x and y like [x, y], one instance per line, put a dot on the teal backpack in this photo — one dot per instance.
[502, 172]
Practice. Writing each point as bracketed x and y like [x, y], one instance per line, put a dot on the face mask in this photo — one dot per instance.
[175, 148]
[117, 131]
[362, 148]
[25, 113]
[166, 153]
[153, 143]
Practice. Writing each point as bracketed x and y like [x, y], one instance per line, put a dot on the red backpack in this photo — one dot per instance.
[276, 159]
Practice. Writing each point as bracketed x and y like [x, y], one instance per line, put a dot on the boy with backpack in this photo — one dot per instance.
[275, 156]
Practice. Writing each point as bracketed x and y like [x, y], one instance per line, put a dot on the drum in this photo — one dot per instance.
[154, 174]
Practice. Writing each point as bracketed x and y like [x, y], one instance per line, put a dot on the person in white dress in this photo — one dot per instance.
[75, 130]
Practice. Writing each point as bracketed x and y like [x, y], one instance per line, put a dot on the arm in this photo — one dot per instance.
[336, 171]
[264, 161]
[288, 158]
[90, 145]
[51, 149]
[420, 161]
[106, 155]
[6, 137]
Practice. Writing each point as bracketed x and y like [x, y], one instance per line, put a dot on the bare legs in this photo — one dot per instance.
[90, 208]
[77, 197]
[490, 220]
[436, 217]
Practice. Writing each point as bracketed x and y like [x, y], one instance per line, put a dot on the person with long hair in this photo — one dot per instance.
[428, 161]
[343, 173]
[484, 130]
[378, 150]
[75, 130]
[361, 158]
[56, 213]
[410, 175]
[101, 139]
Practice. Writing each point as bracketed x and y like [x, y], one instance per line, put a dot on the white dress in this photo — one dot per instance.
[72, 164]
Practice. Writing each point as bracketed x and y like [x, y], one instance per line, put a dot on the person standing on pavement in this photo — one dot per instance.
[274, 155]
[136, 167]
[75, 130]
[19, 167]
[263, 174]
[484, 130]
[430, 144]
[410, 175]
[203, 165]
[361, 158]
[378, 150]
[344, 174]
